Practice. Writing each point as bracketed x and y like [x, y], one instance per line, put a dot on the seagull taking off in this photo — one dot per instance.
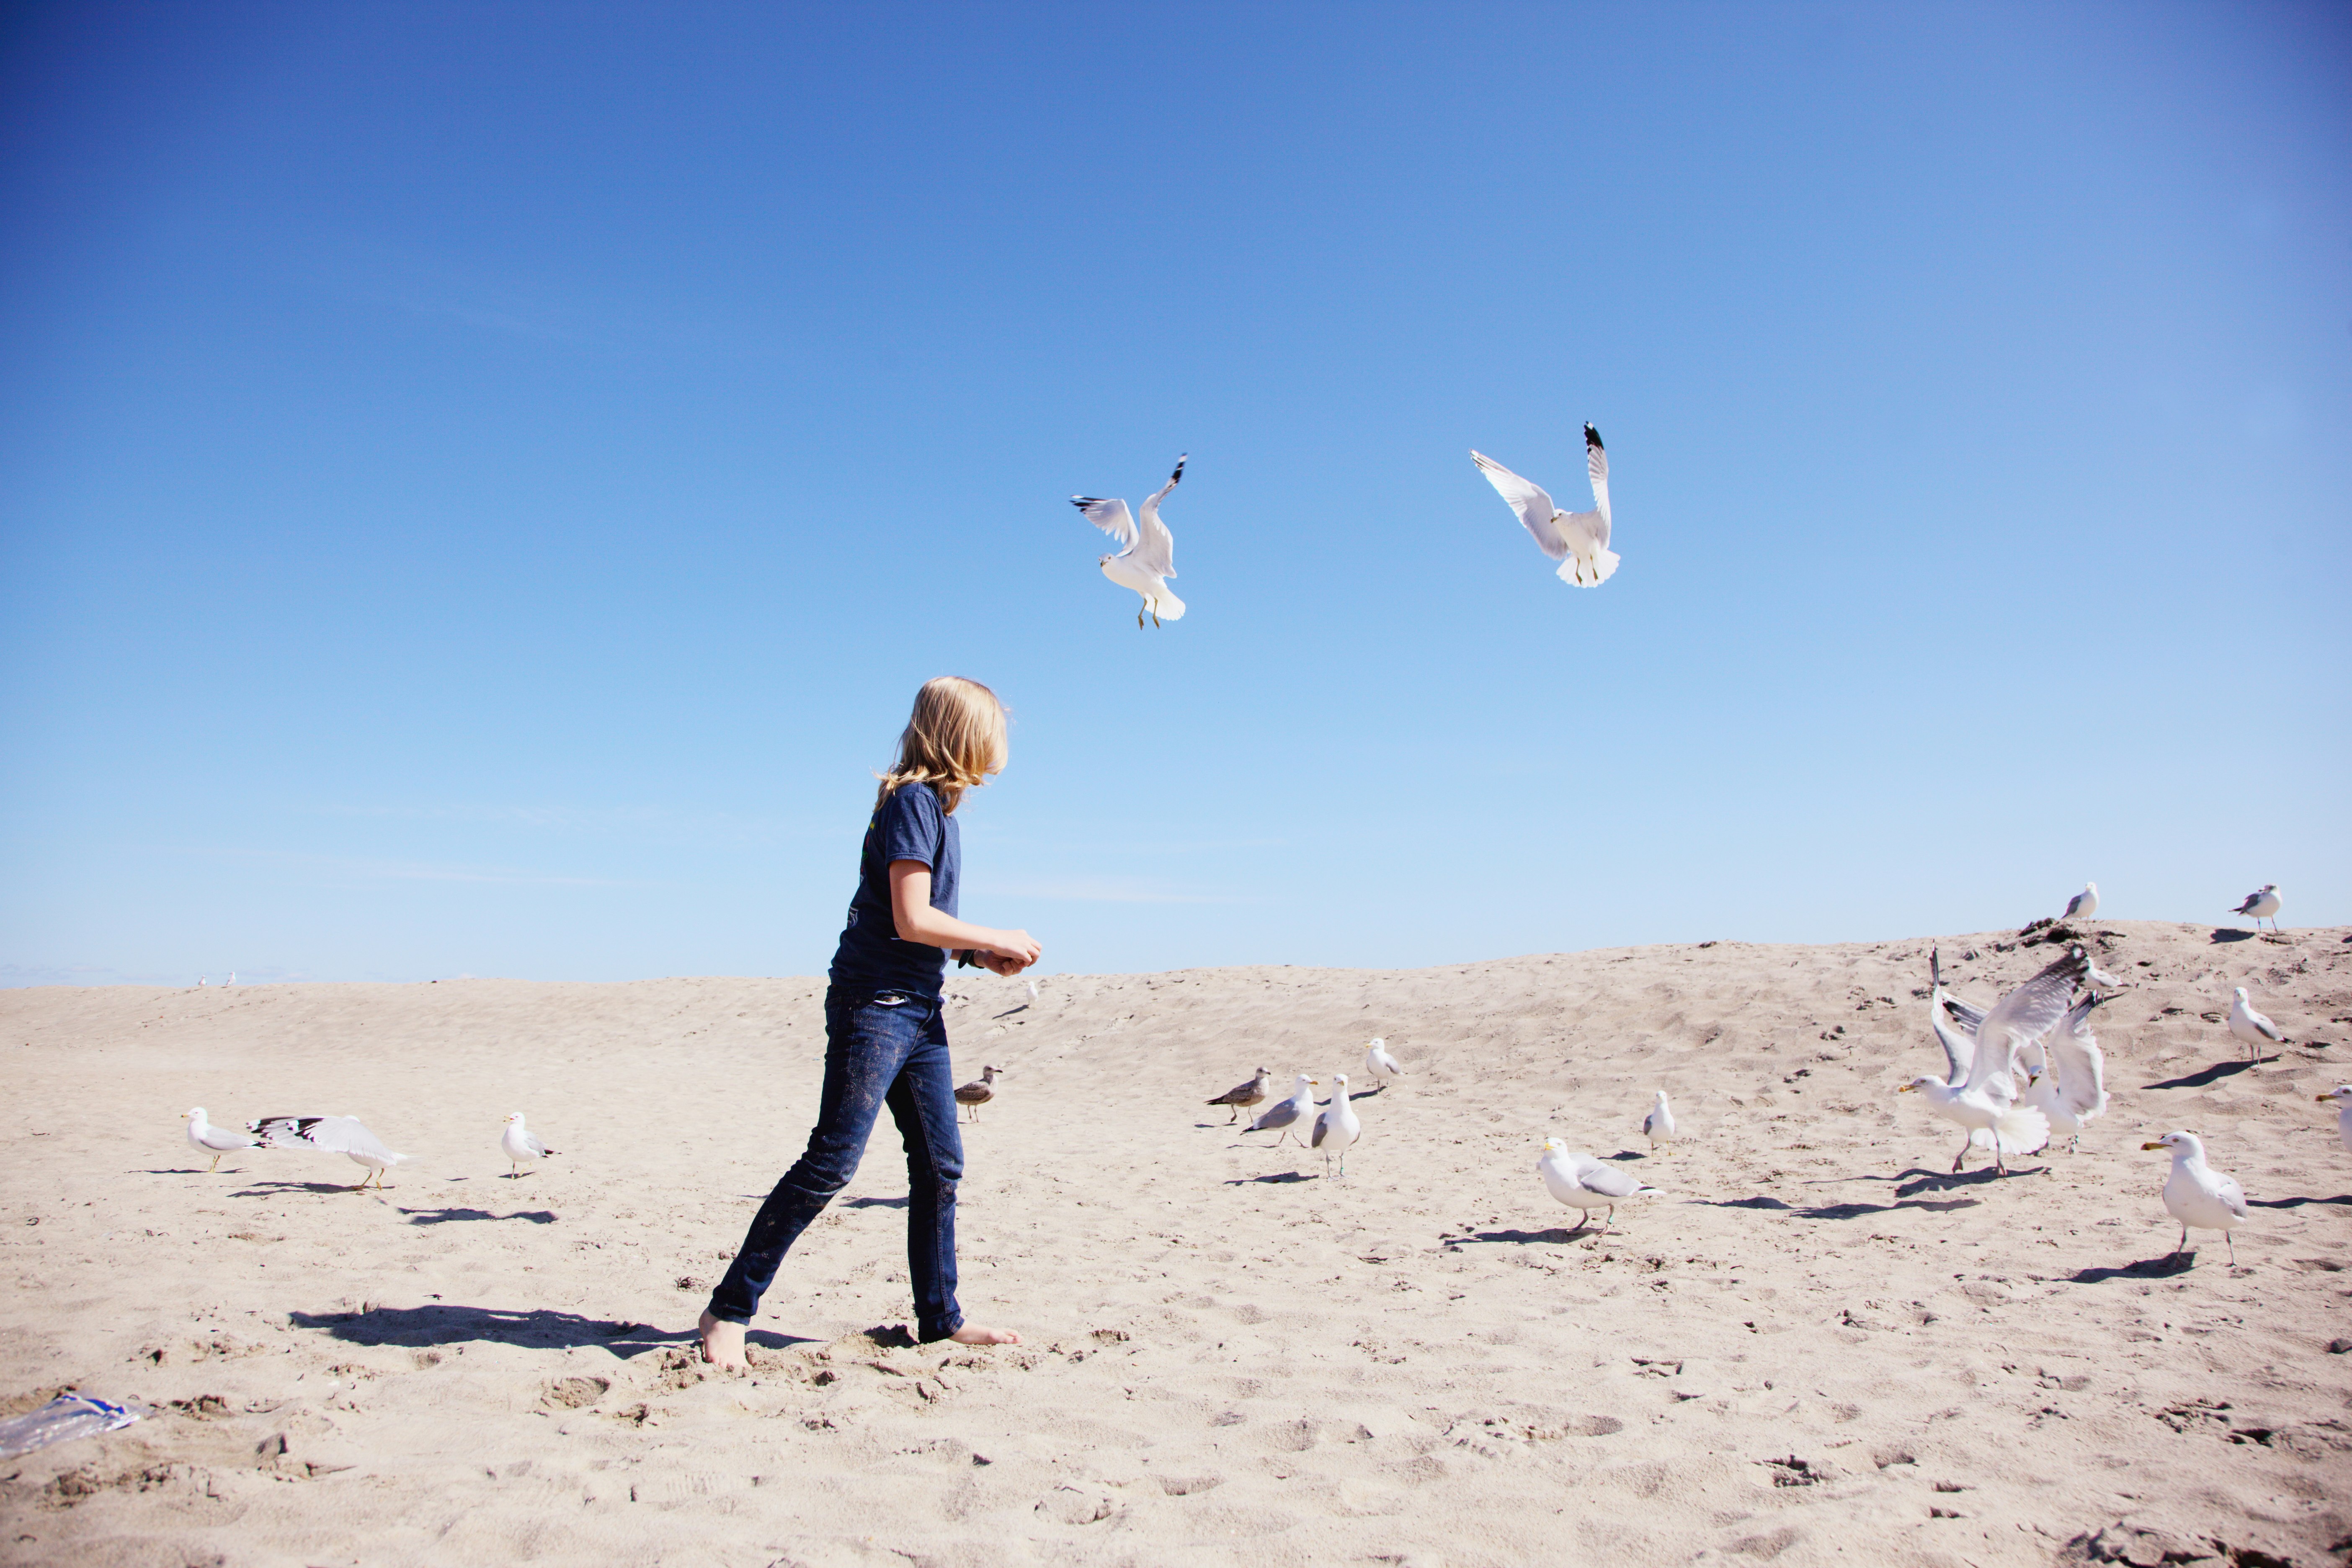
[207, 1139]
[1582, 1181]
[522, 1147]
[2251, 1027]
[335, 1134]
[1582, 536]
[2196, 1193]
[1149, 559]
[2083, 905]
[1337, 1126]
[1985, 1100]
[1379, 1067]
[2263, 904]
[2071, 1088]
[1658, 1127]
[1242, 1096]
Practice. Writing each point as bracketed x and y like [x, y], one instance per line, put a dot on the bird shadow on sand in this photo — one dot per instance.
[1912, 1182]
[2146, 1268]
[1557, 1236]
[274, 1189]
[1277, 1176]
[1010, 1011]
[2213, 1074]
[447, 1217]
[441, 1323]
[2230, 933]
[2341, 1199]
[874, 1203]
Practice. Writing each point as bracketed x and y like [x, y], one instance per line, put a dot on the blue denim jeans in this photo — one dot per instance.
[887, 1049]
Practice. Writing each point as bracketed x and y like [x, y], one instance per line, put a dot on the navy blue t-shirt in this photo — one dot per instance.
[872, 958]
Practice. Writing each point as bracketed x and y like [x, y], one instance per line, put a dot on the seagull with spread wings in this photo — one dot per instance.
[1148, 558]
[1581, 536]
[1985, 1100]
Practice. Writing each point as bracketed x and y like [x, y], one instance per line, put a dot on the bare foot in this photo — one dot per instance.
[972, 1335]
[722, 1342]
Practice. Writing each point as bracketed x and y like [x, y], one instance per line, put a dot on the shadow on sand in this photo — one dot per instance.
[2342, 1199]
[440, 1323]
[2146, 1268]
[272, 1189]
[447, 1216]
[1556, 1236]
[1277, 1176]
[2230, 933]
[2213, 1074]
[874, 1203]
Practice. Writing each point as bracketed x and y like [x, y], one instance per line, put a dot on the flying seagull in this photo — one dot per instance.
[1582, 536]
[335, 1134]
[1149, 559]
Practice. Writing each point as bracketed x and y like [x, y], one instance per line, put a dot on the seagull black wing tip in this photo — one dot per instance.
[1592, 437]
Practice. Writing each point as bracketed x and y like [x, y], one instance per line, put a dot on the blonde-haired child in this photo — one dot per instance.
[885, 1041]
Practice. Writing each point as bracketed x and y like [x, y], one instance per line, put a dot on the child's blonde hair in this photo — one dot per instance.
[953, 741]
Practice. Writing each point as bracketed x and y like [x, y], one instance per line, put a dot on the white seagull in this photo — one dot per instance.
[2263, 904]
[1582, 536]
[522, 1148]
[1985, 1100]
[1149, 559]
[2340, 1095]
[1658, 1127]
[1379, 1067]
[1337, 1126]
[207, 1139]
[2198, 1194]
[2083, 905]
[1284, 1114]
[2251, 1027]
[2071, 1089]
[335, 1134]
[1584, 1183]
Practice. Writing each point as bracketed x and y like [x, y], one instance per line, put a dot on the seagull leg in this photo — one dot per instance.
[1138, 620]
[2231, 1242]
[1609, 1220]
[214, 1167]
[2184, 1242]
[1155, 614]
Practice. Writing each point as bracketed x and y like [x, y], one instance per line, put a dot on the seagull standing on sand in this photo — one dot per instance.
[335, 1135]
[1338, 1127]
[1379, 1067]
[2251, 1027]
[1284, 1114]
[2198, 1194]
[2083, 905]
[1033, 990]
[1658, 1127]
[1242, 1096]
[2263, 904]
[522, 1148]
[2071, 1089]
[1581, 536]
[1149, 559]
[1583, 1183]
[2340, 1095]
[207, 1139]
[980, 1091]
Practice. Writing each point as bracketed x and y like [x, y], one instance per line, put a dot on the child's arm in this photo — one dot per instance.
[911, 911]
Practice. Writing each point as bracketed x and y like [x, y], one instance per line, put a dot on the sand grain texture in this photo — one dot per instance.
[1818, 1346]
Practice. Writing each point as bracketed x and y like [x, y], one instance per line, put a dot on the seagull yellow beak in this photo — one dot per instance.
[2325, 1099]
[1906, 1088]
[2151, 1145]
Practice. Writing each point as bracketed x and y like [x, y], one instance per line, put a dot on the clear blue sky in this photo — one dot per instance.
[480, 484]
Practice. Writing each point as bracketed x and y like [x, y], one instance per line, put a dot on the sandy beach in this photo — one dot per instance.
[1817, 1345]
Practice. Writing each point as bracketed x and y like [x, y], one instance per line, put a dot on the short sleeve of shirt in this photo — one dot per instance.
[912, 827]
